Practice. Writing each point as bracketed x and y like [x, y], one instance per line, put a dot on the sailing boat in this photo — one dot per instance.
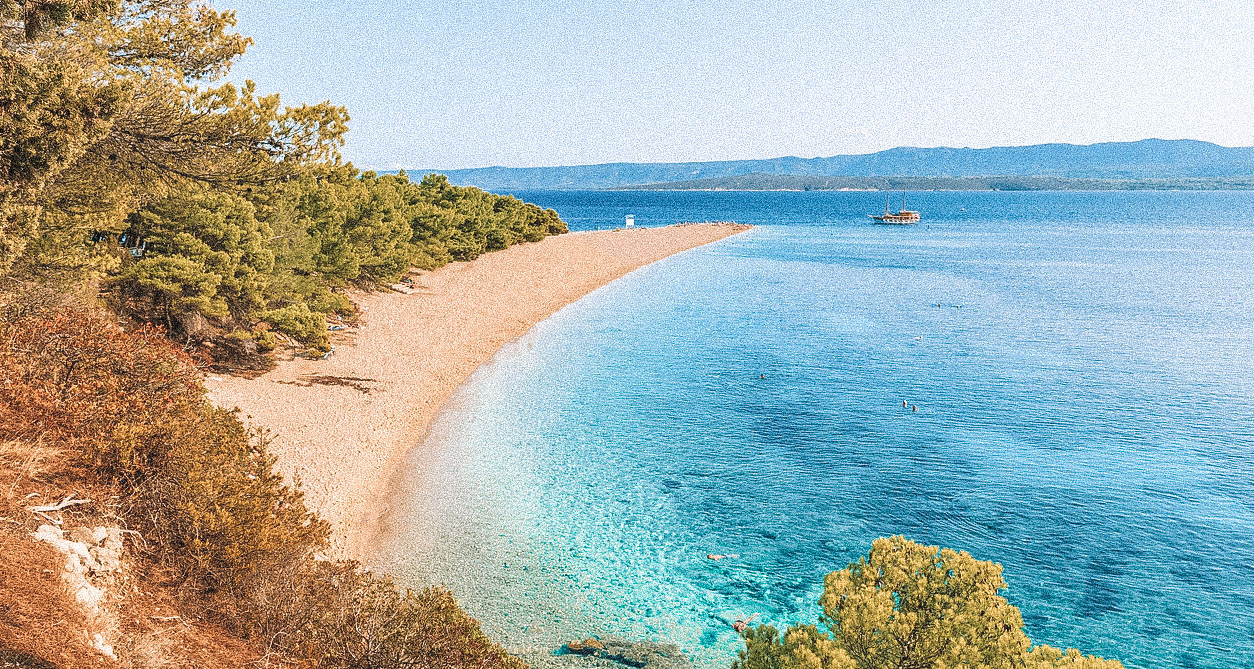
[902, 217]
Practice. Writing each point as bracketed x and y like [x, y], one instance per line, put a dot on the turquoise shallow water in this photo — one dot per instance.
[1082, 364]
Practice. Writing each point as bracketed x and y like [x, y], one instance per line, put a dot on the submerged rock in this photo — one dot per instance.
[586, 647]
[615, 652]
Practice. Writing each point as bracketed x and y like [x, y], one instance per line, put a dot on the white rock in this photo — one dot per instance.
[84, 534]
[98, 642]
[106, 559]
[74, 566]
[80, 549]
[49, 533]
[82, 557]
[88, 595]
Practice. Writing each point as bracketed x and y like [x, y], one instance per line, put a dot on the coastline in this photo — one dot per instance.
[341, 427]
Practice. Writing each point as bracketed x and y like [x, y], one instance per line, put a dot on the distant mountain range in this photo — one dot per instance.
[793, 182]
[1147, 161]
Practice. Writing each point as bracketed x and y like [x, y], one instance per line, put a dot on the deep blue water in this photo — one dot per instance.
[1082, 367]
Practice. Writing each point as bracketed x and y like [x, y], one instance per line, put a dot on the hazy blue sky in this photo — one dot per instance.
[466, 84]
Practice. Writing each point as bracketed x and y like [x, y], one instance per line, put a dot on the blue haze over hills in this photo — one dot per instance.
[1141, 160]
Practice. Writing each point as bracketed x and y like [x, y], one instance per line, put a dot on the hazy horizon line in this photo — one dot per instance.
[784, 157]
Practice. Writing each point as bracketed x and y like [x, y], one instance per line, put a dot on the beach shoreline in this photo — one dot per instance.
[341, 427]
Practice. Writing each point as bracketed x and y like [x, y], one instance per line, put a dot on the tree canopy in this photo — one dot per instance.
[124, 156]
[910, 606]
[107, 105]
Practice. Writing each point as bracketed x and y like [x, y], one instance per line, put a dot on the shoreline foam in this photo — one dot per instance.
[342, 426]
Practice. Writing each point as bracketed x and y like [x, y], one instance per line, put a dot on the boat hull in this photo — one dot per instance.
[896, 220]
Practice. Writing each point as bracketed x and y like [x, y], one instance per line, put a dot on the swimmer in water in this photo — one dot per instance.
[742, 624]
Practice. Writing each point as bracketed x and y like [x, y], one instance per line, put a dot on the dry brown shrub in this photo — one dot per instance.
[26, 461]
[22, 463]
[220, 531]
[77, 380]
[39, 618]
[130, 409]
[156, 633]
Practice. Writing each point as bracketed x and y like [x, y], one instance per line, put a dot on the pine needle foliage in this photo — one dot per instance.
[910, 606]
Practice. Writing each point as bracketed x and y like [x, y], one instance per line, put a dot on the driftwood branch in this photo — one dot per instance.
[49, 508]
[54, 521]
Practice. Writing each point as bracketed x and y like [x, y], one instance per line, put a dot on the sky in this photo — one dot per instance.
[449, 84]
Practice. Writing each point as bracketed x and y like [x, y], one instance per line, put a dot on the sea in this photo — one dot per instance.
[1060, 382]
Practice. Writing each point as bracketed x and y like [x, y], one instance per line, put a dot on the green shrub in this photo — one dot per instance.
[206, 252]
[266, 341]
[330, 302]
[159, 289]
[364, 622]
[302, 324]
[910, 605]
[763, 649]
[218, 511]
[285, 250]
[497, 239]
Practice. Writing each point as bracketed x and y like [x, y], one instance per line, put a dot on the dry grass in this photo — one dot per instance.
[39, 619]
[22, 466]
[157, 633]
[30, 461]
[37, 615]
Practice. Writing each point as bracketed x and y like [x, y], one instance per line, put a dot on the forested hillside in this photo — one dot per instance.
[202, 206]
[792, 182]
[1149, 159]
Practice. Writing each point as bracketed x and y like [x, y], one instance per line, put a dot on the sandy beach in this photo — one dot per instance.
[341, 426]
